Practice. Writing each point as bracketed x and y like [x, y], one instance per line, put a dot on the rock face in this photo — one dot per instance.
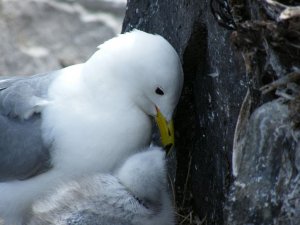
[216, 115]
[39, 35]
[213, 91]
[266, 152]
[266, 188]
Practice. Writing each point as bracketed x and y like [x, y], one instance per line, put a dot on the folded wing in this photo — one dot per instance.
[22, 150]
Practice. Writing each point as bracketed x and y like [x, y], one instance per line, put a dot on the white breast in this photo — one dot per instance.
[91, 133]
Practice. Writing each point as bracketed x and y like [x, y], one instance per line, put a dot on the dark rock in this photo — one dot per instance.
[266, 151]
[266, 41]
[266, 189]
[213, 91]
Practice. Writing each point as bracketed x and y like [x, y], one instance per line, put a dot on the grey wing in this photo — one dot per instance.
[23, 153]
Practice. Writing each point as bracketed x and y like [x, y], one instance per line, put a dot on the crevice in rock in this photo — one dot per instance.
[186, 118]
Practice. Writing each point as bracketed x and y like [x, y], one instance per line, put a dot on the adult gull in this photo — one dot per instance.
[85, 118]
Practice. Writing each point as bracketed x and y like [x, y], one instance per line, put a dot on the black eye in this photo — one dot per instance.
[159, 91]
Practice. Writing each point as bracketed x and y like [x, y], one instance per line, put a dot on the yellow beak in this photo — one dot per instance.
[166, 130]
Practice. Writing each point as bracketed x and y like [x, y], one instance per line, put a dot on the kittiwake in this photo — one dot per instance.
[85, 118]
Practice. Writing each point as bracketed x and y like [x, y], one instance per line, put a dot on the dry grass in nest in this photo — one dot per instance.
[185, 214]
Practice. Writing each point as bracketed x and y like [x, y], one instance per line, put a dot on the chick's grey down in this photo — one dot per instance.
[82, 119]
[137, 193]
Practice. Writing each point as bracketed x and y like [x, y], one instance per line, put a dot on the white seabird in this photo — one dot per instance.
[136, 194]
[84, 118]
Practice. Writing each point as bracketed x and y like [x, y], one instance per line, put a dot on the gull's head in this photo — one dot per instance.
[146, 68]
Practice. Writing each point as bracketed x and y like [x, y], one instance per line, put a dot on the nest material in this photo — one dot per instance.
[280, 28]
